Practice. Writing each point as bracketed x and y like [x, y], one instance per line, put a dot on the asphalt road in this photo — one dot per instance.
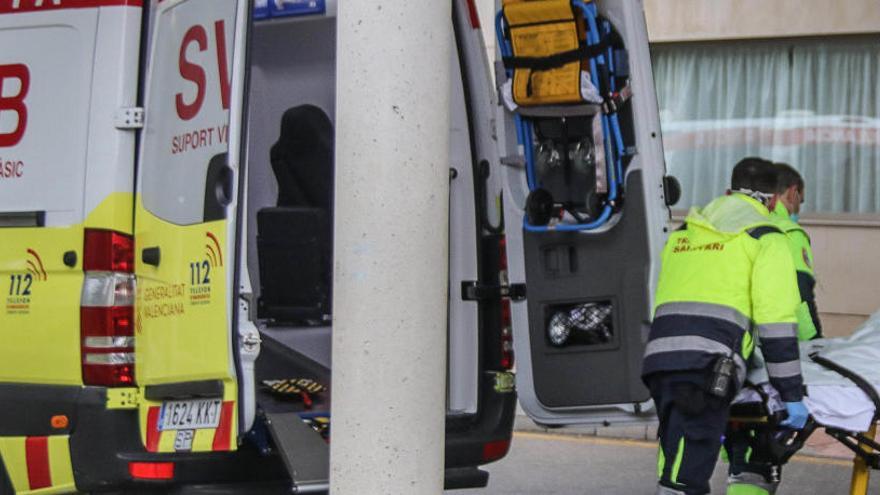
[548, 464]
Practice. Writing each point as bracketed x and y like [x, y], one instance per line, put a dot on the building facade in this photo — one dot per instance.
[796, 81]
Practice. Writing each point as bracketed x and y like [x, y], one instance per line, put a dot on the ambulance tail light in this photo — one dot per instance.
[492, 451]
[151, 470]
[506, 322]
[108, 251]
[107, 309]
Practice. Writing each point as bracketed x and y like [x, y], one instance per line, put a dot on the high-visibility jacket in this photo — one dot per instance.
[809, 326]
[726, 280]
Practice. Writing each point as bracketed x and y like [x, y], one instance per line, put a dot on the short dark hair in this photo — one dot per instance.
[787, 176]
[756, 174]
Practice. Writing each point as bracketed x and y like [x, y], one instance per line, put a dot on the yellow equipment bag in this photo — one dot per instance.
[547, 39]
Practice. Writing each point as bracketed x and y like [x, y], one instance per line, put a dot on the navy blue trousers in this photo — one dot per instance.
[692, 423]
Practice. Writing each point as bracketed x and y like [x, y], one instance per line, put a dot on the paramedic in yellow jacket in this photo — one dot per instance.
[752, 468]
[726, 280]
[790, 194]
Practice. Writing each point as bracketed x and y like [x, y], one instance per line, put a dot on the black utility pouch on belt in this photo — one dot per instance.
[723, 373]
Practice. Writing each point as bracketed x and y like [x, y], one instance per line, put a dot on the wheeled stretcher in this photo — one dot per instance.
[842, 380]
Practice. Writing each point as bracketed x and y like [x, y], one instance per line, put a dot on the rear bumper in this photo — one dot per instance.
[474, 440]
[104, 441]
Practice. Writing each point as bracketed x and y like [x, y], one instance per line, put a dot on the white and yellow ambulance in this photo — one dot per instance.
[164, 247]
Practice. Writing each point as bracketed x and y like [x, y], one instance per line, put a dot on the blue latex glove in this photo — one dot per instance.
[797, 415]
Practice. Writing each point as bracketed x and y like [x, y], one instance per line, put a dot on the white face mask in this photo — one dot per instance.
[763, 198]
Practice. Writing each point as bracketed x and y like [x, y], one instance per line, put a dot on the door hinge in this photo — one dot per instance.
[129, 118]
[475, 291]
[250, 342]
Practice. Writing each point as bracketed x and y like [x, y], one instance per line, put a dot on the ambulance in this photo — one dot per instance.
[164, 248]
[166, 177]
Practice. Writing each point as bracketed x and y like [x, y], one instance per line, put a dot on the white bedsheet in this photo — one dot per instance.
[832, 399]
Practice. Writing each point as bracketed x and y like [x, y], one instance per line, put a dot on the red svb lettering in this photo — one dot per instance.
[14, 102]
[192, 72]
[195, 73]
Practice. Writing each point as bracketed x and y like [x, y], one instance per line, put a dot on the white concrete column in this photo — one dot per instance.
[391, 217]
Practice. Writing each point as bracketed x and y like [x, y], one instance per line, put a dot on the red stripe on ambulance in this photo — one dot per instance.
[223, 433]
[153, 433]
[37, 457]
[22, 6]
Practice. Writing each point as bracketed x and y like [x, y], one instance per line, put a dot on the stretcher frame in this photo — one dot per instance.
[864, 445]
[866, 450]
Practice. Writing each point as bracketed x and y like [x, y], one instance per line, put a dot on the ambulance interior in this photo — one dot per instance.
[288, 216]
[289, 219]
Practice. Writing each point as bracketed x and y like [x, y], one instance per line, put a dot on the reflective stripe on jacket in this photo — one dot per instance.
[809, 326]
[726, 275]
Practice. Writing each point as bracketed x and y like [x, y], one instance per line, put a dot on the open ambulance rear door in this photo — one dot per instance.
[186, 227]
[580, 333]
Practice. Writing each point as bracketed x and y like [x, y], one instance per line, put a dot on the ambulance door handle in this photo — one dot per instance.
[218, 188]
[151, 255]
[69, 258]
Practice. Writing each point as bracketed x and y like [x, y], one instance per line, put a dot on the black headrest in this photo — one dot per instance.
[302, 158]
[304, 127]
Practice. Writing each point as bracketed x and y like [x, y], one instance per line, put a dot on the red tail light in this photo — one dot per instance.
[502, 261]
[151, 470]
[506, 322]
[107, 309]
[493, 451]
[101, 326]
[108, 251]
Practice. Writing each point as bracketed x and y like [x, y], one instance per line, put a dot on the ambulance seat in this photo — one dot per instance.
[302, 158]
[295, 256]
[295, 238]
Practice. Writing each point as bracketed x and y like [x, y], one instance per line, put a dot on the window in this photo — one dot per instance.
[186, 137]
[814, 104]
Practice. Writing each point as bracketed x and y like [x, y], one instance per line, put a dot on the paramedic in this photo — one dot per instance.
[790, 192]
[726, 271]
[752, 469]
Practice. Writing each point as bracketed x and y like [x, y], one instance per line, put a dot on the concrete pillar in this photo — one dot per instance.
[391, 217]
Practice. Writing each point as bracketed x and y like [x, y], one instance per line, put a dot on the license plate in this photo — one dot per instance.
[190, 414]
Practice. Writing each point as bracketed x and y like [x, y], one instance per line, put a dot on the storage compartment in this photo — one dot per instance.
[588, 323]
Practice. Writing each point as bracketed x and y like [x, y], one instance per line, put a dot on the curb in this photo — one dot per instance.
[631, 432]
